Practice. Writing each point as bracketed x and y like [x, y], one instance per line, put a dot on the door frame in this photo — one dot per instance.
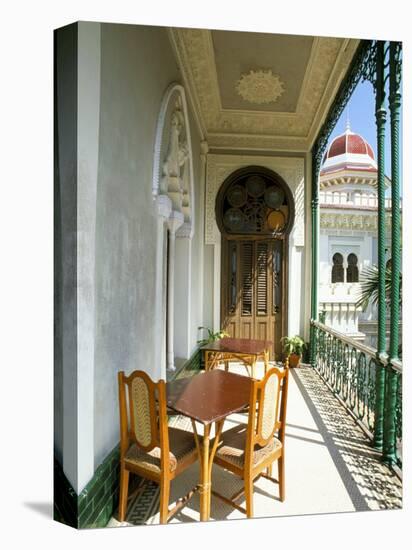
[235, 175]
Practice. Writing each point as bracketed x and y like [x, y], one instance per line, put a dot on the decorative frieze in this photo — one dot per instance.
[336, 220]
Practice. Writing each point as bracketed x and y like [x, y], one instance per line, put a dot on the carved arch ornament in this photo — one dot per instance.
[291, 170]
[172, 185]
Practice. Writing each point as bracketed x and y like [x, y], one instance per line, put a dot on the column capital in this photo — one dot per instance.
[164, 206]
[185, 231]
[174, 221]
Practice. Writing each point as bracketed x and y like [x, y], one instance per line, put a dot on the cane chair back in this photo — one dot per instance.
[148, 446]
[143, 415]
[250, 453]
[140, 416]
[268, 406]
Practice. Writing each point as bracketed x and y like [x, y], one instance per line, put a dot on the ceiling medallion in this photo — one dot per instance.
[260, 86]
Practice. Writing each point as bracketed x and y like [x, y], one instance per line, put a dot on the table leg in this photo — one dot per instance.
[206, 461]
[254, 360]
[266, 360]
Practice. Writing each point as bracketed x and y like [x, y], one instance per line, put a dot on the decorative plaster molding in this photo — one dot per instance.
[260, 87]
[221, 166]
[298, 232]
[173, 160]
[256, 142]
[229, 128]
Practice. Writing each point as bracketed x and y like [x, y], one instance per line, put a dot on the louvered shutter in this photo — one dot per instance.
[277, 279]
[233, 277]
[247, 278]
[262, 279]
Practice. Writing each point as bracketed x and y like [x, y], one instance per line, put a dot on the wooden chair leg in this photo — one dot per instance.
[164, 499]
[281, 471]
[249, 497]
[269, 470]
[124, 487]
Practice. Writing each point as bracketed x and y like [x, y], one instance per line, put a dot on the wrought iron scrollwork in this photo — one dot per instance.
[350, 370]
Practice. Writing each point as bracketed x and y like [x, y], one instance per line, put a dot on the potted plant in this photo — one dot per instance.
[211, 336]
[293, 346]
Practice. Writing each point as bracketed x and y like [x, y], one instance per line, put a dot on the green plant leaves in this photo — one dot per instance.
[293, 344]
[211, 336]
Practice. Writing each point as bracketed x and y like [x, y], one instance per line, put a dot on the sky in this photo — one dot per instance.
[360, 111]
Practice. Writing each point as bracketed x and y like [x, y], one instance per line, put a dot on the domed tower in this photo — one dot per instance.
[349, 160]
[348, 230]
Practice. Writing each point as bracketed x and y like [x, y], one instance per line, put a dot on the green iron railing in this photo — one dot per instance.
[349, 369]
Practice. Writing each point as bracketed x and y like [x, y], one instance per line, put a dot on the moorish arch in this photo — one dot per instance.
[172, 189]
[255, 212]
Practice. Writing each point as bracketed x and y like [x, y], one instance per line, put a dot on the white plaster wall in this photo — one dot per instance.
[78, 107]
[208, 279]
[183, 298]
[65, 369]
[308, 250]
[88, 86]
[137, 65]
[296, 291]
[197, 252]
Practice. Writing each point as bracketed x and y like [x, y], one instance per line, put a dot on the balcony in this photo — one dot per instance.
[331, 465]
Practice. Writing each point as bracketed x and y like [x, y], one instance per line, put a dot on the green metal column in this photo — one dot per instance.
[315, 254]
[380, 113]
[395, 71]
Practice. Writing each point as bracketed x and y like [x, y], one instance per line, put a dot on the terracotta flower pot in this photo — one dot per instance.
[294, 360]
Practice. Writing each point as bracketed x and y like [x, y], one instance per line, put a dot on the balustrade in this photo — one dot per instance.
[349, 369]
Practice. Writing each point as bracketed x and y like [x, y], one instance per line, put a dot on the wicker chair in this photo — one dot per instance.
[148, 447]
[250, 450]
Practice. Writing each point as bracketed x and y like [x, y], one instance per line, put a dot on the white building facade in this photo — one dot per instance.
[348, 233]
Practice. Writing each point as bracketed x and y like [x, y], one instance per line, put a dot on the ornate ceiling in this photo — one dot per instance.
[257, 91]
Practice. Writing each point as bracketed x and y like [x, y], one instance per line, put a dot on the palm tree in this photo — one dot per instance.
[369, 283]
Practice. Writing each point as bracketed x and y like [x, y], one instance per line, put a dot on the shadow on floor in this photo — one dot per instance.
[369, 483]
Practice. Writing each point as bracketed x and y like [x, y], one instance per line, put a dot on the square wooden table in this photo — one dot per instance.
[240, 349]
[208, 397]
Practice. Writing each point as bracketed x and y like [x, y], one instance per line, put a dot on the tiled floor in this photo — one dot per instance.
[330, 466]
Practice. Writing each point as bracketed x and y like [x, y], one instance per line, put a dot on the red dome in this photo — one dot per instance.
[349, 143]
[349, 151]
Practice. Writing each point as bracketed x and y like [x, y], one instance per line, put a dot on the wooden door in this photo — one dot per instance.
[253, 274]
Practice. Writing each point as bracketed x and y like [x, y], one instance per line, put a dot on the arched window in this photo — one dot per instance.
[352, 271]
[337, 269]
